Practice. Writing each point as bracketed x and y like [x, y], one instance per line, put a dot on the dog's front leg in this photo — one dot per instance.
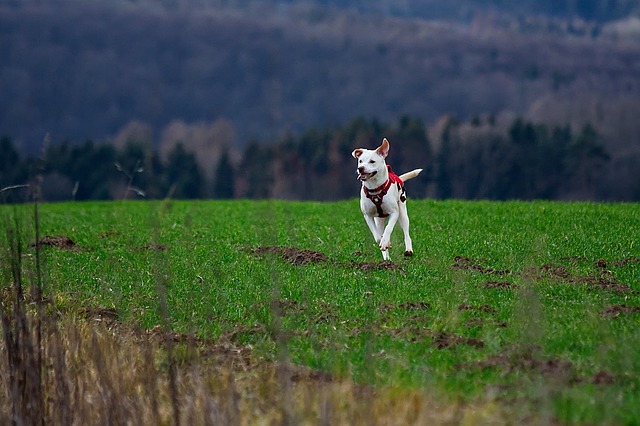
[385, 241]
[380, 225]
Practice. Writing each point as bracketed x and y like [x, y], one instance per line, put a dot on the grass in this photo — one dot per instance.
[519, 311]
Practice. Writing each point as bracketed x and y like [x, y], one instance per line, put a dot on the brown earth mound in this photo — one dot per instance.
[444, 340]
[468, 264]
[617, 310]
[293, 255]
[477, 308]
[58, 241]
[499, 284]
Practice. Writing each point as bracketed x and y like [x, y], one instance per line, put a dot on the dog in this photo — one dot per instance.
[383, 197]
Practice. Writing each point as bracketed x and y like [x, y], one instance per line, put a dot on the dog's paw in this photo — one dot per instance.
[408, 253]
[385, 244]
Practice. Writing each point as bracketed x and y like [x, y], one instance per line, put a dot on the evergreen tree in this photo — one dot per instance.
[182, 176]
[142, 170]
[444, 184]
[257, 171]
[225, 177]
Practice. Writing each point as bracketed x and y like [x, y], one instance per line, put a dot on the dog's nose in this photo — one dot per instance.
[361, 169]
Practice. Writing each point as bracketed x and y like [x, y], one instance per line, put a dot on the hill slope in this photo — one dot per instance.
[84, 70]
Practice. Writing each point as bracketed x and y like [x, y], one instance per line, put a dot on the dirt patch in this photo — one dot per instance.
[285, 306]
[405, 306]
[602, 378]
[292, 255]
[626, 261]
[468, 264]
[602, 263]
[439, 339]
[444, 340]
[499, 284]
[477, 308]
[602, 283]
[325, 317]
[555, 271]
[529, 360]
[618, 310]
[303, 257]
[58, 241]
[108, 234]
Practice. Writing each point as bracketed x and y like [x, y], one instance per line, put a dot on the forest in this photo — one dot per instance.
[479, 159]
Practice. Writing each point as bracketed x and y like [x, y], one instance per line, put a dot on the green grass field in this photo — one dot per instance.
[533, 306]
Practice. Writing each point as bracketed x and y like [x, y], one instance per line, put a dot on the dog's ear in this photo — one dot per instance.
[357, 152]
[383, 149]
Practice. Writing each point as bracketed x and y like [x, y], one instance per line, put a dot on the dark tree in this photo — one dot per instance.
[256, 172]
[182, 175]
[225, 177]
[13, 171]
[141, 170]
[585, 162]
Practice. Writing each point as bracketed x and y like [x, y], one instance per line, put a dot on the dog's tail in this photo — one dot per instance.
[410, 175]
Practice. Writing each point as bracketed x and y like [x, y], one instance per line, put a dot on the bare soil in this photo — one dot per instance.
[466, 263]
[297, 256]
[57, 241]
[152, 247]
[619, 310]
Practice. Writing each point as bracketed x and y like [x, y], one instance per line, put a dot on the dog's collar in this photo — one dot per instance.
[376, 195]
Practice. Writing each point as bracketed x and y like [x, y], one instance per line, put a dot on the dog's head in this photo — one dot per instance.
[371, 162]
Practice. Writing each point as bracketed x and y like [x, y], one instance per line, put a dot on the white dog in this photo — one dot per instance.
[383, 196]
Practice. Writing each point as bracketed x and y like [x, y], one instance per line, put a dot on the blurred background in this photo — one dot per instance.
[495, 99]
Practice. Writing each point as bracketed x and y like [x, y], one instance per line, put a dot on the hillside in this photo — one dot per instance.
[86, 70]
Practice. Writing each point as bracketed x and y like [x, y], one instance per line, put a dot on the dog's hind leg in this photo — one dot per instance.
[403, 220]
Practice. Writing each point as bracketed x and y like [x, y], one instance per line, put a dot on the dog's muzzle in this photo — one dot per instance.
[365, 176]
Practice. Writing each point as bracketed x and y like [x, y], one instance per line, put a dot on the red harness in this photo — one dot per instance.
[376, 195]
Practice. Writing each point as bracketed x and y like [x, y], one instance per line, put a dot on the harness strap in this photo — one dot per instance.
[376, 195]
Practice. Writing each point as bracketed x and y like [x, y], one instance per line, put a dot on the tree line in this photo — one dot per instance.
[479, 159]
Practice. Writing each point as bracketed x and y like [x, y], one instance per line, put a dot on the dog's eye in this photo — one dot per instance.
[371, 161]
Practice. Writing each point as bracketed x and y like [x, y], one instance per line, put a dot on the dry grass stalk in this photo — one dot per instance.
[103, 373]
